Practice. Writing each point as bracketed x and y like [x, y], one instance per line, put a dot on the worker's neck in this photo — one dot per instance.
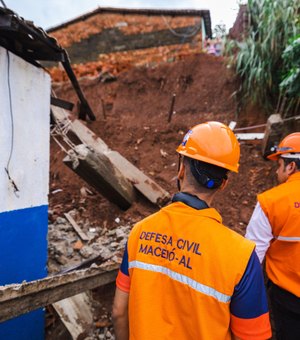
[206, 195]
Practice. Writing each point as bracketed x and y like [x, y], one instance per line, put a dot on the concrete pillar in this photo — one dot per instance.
[24, 182]
[273, 133]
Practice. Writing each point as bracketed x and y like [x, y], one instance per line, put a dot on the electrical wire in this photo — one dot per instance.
[194, 32]
[61, 129]
[249, 127]
[12, 126]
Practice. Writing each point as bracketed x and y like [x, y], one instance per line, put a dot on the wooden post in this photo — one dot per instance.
[103, 108]
[172, 107]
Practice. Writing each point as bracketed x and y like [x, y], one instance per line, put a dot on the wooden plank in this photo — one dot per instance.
[17, 299]
[249, 136]
[76, 227]
[75, 313]
[232, 125]
[98, 171]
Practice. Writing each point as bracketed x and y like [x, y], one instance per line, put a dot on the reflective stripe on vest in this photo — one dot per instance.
[288, 239]
[182, 279]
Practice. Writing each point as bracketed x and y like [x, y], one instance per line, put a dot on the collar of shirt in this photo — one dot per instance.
[190, 200]
[294, 177]
[193, 202]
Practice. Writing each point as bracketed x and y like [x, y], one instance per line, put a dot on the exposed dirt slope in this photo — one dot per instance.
[136, 107]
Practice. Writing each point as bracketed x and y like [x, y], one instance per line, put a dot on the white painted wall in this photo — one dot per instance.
[24, 133]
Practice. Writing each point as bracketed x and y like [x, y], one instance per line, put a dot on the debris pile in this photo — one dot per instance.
[110, 65]
[67, 249]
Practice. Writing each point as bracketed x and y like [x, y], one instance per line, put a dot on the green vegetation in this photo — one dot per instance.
[267, 61]
[290, 84]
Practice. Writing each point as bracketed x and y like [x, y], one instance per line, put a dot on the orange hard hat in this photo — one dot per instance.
[213, 143]
[288, 147]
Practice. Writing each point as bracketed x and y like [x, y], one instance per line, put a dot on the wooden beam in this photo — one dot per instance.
[98, 171]
[250, 136]
[141, 182]
[144, 184]
[17, 299]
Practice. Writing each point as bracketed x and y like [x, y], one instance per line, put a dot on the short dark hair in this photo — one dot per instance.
[290, 160]
[208, 175]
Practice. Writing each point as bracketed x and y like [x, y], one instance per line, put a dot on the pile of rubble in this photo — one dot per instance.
[86, 246]
[68, 250]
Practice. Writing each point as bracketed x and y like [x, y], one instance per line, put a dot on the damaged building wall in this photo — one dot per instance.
[109, 32]
[24, 182]
[108, 39]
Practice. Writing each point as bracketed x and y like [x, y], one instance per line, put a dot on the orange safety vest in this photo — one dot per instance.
[184, 265]
[281, 205]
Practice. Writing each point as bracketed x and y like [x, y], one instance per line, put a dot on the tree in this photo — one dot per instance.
[258, 60]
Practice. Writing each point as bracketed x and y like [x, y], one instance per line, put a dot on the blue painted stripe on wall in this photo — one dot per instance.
[30, 326]
[23, 256]
[23, 244]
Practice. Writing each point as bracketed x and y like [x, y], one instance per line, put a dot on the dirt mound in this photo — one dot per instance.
[132, 118]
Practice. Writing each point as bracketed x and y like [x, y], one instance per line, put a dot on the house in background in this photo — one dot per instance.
[112, 39]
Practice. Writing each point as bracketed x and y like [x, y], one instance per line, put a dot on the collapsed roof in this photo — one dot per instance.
[33, 44]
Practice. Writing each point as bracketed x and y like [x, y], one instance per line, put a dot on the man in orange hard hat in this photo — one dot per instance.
[275, 227]
[184, 275]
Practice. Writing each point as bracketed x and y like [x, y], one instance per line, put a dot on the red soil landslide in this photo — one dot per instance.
[132, 118]
[136, 108]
